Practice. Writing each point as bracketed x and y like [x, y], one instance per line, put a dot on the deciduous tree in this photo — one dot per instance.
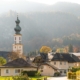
[45, 49]
[2, 61]
[70, 48]
[15, 55]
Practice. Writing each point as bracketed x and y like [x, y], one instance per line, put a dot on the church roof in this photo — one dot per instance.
[17, 28]
[19, 63]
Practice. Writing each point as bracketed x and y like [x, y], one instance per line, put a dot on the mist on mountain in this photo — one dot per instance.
[40, 24]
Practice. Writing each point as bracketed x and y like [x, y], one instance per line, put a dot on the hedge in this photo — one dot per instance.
[29, 73]
[71, 75]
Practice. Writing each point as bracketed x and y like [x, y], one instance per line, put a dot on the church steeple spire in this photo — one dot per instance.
[17, 46]
[17, 28]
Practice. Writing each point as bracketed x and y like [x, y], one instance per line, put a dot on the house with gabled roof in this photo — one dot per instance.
[47, 69]
[15, 67]
[61, 61]
[64, 61]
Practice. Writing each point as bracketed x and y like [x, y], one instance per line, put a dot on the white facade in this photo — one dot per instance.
[17, 46]
[17, 39]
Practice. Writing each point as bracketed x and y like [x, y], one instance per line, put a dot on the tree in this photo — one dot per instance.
[15, 55]
[2, 61]
[62, 50]
[45, 49]
[70, 48]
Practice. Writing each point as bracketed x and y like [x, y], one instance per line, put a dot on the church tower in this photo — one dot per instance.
[17, 46]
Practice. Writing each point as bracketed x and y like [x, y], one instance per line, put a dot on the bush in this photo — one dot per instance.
[29, 73]
[45, 78]
[71, 75]
[39, 79]
[20, 78]
[74, 69]
[57, 74]
[38, 74]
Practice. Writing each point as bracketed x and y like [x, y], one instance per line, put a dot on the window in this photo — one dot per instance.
[60, 63]
[19, 38]
[15, 38]
[17, 71]
[7, 70]
[69, 67]
[60, 71]
[64, 71]
[21, 70]
[41, 70]
[64, 63]
[54, 63]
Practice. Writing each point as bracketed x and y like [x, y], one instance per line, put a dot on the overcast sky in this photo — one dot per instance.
[54, 1]
[39, 1]
[6, 5]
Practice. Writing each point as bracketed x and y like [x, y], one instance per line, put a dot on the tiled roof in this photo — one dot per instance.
[38, 59]
[65, 57]
[57, 57]
[49, 65]
[18, 63]
[76, 54]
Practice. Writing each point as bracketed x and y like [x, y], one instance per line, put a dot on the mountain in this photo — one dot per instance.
[41, 25]
[38, 28]
[23, 6]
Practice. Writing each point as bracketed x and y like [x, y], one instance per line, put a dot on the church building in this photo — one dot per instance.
[17, 46]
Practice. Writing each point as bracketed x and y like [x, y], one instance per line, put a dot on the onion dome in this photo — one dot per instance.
[17, 28]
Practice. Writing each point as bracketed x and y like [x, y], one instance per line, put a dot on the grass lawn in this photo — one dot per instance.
[10, 78]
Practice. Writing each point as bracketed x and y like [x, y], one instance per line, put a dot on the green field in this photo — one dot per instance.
[10, 78]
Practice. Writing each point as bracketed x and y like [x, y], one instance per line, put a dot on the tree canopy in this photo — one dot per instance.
[45, 49]
[2, 61]
[70, 48]
[14, 55]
